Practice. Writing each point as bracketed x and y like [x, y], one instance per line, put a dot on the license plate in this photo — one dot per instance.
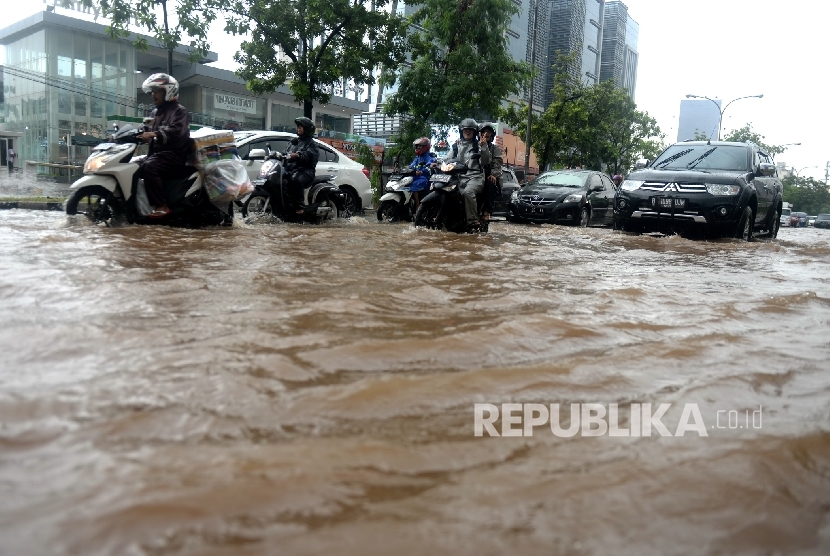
[441, 177]
[668, 203]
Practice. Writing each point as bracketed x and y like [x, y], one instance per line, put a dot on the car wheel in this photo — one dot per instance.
[776, 223]
[584, 216]
[745, 225]
[387, 211]
[352, 204]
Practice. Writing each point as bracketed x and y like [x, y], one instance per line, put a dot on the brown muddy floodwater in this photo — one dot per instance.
[286, 389]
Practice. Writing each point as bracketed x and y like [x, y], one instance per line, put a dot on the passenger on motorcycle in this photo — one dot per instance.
[468, 146]
[168, 137]
[492, 171]
[421, 164]
[301, 160]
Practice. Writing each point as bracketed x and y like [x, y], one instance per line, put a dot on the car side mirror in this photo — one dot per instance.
[257, 154]
[595, 188]
[642, 163]
[766, 169]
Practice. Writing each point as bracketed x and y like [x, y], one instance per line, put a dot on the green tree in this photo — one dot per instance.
[807, 195]
[596, 127]
[747, 134]
[460, 66]
[192, 20]
[313, 45]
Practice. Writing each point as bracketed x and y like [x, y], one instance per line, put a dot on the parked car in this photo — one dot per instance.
[718, 188]
[576, 197]
[811, 220]
[822, 221]
[509, 184]
[350, 176]
[798, 220]
[785, 216]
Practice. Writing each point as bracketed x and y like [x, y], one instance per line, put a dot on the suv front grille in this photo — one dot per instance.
[673, 187]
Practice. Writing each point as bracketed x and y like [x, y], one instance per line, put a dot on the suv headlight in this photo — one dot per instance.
[631, 185]
[720, 189]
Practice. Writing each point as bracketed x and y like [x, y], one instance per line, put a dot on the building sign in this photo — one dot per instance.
[234, 103]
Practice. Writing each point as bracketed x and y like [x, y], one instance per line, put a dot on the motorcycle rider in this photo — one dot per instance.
[301, 160]
[168, 137]
[462, 153]
[492, 171]
[424, 159]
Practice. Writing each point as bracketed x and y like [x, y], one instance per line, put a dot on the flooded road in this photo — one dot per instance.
[287, 389]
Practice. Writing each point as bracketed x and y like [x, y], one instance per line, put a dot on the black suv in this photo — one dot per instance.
[719, 188]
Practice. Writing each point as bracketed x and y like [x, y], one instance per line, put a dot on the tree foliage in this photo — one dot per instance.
[460, 66]
[189, 21]
[314, 45]
[807, 194]
[747, 134]
[596, 126]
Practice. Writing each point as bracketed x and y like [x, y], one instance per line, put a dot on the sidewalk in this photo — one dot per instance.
[23, 184]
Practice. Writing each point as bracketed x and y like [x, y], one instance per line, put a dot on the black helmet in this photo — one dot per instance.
[309, 126]
[487, 125]
[467, 123]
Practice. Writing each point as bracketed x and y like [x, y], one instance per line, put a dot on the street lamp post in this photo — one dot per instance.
[530, 93]
[797, 173]
[722, 110]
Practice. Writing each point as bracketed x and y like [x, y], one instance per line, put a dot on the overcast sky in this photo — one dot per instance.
[723, 49]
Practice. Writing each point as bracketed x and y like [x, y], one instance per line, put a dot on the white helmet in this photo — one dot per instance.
[162, 81]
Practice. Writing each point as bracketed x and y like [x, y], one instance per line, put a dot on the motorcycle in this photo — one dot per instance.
[112, 191]
[443, 208]
[322, 199]
[398, 203]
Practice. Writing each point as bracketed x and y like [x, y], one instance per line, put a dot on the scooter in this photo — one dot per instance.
[322, 199]
[443, 208]
[397, 203]
[112, 191]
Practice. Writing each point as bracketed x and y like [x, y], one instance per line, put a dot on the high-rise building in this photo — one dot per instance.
[619, 47]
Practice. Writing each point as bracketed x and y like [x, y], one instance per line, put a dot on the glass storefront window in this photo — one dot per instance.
[64, 66]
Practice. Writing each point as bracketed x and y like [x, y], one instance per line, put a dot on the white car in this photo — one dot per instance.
[350, 176]
[785, 216]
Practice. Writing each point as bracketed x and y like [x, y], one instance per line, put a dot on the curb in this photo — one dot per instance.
[31, 205]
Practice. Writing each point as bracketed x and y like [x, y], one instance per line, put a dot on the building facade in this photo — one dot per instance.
[619, 47]
[66, 83]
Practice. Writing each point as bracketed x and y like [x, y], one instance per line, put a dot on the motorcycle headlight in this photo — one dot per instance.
[99, 158]
[514, 196]
[447, 168]
[573, 198]
[631, 185]
[720, 189]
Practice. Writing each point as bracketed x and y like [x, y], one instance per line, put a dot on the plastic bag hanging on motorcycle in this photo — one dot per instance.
[227, 181]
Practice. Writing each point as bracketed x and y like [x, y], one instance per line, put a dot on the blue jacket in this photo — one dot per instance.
[422, 163]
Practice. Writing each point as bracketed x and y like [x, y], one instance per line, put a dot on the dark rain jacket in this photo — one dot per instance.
[172, 122]
[302, 169]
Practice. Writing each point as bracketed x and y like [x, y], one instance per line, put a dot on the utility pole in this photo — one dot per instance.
[530, 93]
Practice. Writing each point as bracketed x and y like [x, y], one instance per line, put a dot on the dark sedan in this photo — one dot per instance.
[822, 221]
[575, 197]
[508, 186]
